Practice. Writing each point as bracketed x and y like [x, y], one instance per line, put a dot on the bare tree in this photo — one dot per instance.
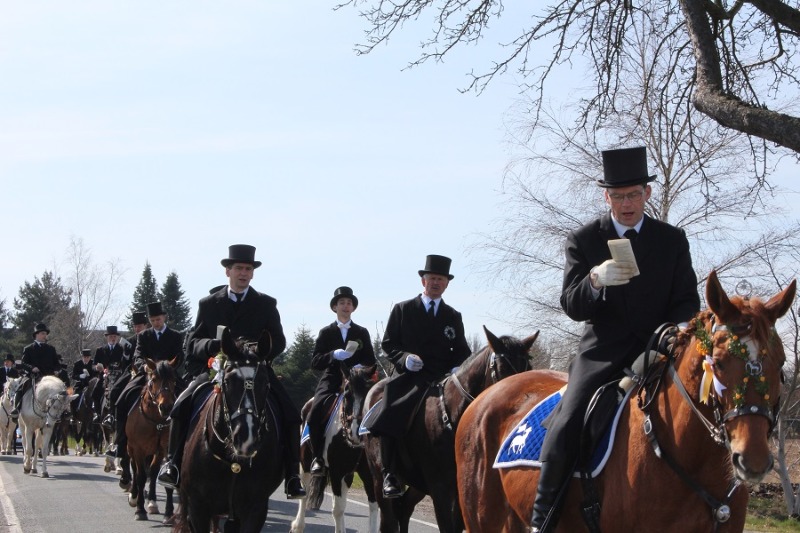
[94, 293]
[743, 68]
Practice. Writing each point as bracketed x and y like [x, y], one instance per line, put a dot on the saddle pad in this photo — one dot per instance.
[362, 429]
[307, 434]
[523, 445]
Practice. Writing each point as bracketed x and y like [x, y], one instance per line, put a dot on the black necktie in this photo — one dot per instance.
[239, 296]
[431, 309]
[631, 234]
[158, 335]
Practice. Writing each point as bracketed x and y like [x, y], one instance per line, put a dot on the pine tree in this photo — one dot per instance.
[40, 301]
[145, 293]
[175, 303]
[294, 367]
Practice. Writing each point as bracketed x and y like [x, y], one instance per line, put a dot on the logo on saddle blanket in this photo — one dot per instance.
[523, 446]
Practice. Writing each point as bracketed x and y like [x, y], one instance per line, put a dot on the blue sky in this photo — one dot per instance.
[166, 131]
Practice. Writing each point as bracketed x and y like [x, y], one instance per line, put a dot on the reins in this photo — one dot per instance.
[161, 422]
[649, 387]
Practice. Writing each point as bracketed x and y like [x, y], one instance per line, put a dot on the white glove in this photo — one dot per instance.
[341, 355]
[414, 362]
[84, 374]
[611, 273]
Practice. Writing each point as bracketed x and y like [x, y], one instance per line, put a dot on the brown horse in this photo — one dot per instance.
[233, 459]
[706, 448]
[148, 432]
[426, 458]
[344, 454]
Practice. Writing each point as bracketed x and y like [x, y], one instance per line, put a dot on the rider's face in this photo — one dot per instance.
[239, 275]
[434, 285]
[158, 321]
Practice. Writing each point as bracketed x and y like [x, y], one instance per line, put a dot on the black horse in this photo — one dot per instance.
[426, 459]
[233, 458]
[344, 453]
[85, 430]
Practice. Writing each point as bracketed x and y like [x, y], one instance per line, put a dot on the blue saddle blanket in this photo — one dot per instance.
[523, 445]
[306, 435]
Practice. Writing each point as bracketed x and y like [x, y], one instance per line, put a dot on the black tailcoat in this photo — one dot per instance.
[620, 321]
[42, 356]
[441, 344]
[108, 357]
[6, 373]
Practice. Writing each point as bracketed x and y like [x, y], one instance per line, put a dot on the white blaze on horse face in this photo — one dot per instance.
[752, 349]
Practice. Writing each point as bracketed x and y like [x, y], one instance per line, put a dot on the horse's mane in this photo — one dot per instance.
[164, 371]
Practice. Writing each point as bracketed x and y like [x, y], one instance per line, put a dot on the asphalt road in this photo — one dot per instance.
[79, 497]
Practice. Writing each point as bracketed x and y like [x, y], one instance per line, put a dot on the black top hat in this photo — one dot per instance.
[154, 309]
[344, 292]
[10, 357]
[86, 352]
[437, 264]
[40, 327]
[111, 330]
[139, 317]
[625, 167]
[241, 253]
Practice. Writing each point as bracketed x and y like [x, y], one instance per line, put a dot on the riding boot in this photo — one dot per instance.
[552, 478]
[119, 447]
[391, 485]
[292, 484]
[318, 448]
[170, 475]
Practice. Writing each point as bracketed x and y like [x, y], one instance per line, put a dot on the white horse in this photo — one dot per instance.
[42, 406]
[7, 425]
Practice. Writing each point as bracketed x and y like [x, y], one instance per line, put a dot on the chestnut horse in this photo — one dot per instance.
[147, 428]
[344, 454]
[426, 456]
[233, 459]
[706, 448]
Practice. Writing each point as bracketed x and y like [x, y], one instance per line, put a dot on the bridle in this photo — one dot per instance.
[717, 429]
[346, 420]
[246, 405]
[492, 370]
[150, 395]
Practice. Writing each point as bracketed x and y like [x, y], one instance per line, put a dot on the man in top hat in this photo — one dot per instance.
[83, 370]
[111, 359]
[425, 340]
[159, 343]
[140, 323]
[9, 369]
[40, 359]
[335, 362]
[620, 311]
[249, 314]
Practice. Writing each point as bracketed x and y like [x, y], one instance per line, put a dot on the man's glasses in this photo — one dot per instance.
[618, 198]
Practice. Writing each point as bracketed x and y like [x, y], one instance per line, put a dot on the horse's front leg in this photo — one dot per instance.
[169, 509]
[152, 504]
[43, 440]
[339, 505]
[26, 437]
[299, 522]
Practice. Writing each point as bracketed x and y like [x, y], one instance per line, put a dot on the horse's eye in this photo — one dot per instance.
[718, 364]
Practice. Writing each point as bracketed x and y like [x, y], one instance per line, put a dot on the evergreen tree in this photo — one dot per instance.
[293, 367]
[175, 303]
[145, 293]
[40, 301]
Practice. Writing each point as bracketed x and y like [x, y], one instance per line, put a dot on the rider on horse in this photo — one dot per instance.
[334, 357]
[40, 359]
[425, 340]
[620, 308]
[83, 370]
[113, 358]
[248, 314]
[140, 324]
[158, 343]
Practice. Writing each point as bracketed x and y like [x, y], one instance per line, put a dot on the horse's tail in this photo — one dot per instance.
[316, 492]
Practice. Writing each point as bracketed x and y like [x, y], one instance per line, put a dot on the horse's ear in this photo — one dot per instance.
[494, 342]
[175, 361]
[528, 342]
[265, 345]
[151, 365]
[779, 304]
[718, 300]
[227, 345]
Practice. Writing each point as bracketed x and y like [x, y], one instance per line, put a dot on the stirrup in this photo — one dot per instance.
[169, 476]
[297, 491]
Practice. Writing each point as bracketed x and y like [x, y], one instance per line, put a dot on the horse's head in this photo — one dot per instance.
[161, 384]
[736, 360]
[359, 382]
[10, 387]
[244, 388]
[508, 355]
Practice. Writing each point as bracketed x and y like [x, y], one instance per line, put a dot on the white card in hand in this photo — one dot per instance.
[351, 347]
[220, 329]
[622, 252]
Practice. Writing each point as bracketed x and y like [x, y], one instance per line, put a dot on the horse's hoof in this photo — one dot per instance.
[168, 520]
[119, 471]
[125, 484]
[34, 471]
[132, 501]
[141, 515]
[106, 468]
[45, 475]
[26, 470]
[152, 507]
